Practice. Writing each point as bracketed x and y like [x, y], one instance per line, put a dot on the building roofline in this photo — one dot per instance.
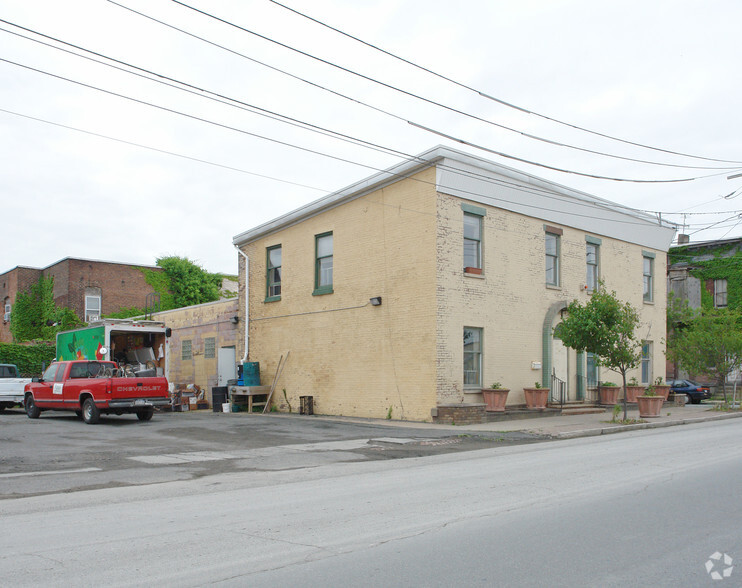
[427, 159]
[81, 259]
[704, 244]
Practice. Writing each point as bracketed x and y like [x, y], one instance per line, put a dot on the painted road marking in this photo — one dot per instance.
[50, 473]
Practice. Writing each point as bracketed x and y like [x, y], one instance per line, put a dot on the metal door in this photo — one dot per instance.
[227, 365]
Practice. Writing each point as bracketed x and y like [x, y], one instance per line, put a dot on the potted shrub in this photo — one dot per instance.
[608, 393]
[650, 404]
[633, 389]
[661, 389]
[495, 397]
[536, 397]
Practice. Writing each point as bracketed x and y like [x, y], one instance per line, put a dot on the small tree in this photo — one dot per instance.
[189, 283]
[605, 327]
[711, 343]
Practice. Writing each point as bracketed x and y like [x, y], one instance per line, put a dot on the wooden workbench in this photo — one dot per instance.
[249, 393]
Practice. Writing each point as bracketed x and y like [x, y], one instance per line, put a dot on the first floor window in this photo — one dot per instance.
[472, 357]
[92, 308]
[720, 293]
[646, 362]
[6, 316]
[186, 351]
[274, 273]
[210, 348]
[592, 370]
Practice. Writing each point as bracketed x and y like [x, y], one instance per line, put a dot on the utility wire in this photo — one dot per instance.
[421, 127]
[493, 98]
[164, 151]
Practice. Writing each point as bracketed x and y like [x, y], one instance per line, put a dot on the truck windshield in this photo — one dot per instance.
[50, 372]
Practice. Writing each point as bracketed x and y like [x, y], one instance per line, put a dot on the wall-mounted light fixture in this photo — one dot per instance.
[375, 301]
[234, 320]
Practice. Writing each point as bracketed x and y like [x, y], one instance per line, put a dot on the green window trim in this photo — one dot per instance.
[273, 264]
[553, 259]
[593, 240]
[471, 209]
[473, 240]
[648, 254]
[323, 264]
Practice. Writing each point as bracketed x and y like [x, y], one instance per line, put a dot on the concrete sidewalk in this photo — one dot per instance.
[587, 425]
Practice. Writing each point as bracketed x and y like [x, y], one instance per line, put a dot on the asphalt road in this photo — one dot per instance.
[60, 453]
[647, 508]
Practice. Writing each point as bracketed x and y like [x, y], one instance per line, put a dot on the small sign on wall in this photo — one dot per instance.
[535, 365]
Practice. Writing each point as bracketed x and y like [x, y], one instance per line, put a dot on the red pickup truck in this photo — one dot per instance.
[92, 387]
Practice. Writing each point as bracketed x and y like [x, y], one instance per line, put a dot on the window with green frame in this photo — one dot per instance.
[648, 276]
[323, 247]
[472, 357]
[472, 240]
[646, 362]
[273, 278]
[552, 259]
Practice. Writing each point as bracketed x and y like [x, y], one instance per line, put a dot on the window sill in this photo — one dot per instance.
[322, 291]
[473, 275]
[272, 299]
[650, 302]
[553, 287]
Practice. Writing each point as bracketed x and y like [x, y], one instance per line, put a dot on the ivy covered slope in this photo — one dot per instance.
[715, 262]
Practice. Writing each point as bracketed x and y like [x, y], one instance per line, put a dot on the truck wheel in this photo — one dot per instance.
[90, 412]
[145, 414]
[32, 410]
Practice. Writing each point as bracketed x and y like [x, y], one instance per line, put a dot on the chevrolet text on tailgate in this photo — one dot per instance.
[92, 388]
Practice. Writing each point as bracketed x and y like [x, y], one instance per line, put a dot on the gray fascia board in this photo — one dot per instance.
[570, 208]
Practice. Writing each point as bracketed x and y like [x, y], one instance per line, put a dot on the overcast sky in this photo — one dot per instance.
[659, 73]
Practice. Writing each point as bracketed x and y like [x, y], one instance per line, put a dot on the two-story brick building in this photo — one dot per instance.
[412, 289]
[90, 288]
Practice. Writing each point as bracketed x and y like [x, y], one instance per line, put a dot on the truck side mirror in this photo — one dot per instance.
[36, 379]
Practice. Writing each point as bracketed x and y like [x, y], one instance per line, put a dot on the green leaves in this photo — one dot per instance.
[189, 283]
[604, 326]
[35, 316]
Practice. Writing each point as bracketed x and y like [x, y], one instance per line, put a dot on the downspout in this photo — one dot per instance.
[247, 303]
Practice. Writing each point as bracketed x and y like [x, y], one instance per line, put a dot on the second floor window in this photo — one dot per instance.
[552, 259]
[720, 293]
[472, 241]
[592, 267]
[648, 276]
[92, 308]
[274, 273]
[323, 264]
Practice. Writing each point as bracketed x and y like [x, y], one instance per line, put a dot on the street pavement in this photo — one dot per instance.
[567, 426]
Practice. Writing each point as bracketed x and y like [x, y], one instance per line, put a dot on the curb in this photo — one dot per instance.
[640, 426]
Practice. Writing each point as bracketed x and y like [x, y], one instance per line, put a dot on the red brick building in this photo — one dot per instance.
[90, 288]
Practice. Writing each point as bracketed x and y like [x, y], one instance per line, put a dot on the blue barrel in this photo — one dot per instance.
[251, 373]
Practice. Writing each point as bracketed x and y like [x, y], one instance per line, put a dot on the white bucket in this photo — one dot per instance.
[227, 407]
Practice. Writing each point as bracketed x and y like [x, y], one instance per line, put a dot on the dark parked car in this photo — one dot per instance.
[695, 392]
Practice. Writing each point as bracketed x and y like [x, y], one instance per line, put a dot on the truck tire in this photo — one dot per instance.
[90, 412]
[145, 414]
[32, 410]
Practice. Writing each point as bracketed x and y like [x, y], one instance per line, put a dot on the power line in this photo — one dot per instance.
[493, 98]
[436, 103]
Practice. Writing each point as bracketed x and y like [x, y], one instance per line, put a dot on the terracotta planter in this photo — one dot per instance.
[473, 270]
[495, 399]
[609, 394]
[649, 406]
[536, 398]
[663, 391]
[632, 392]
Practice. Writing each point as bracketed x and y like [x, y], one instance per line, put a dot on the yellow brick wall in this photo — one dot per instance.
[510, 301]
[196, 324]
[353, 358]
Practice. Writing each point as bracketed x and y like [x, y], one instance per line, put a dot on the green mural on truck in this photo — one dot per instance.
[82, 344]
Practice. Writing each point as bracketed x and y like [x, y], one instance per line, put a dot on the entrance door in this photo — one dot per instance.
[560, 365]
[226, 365]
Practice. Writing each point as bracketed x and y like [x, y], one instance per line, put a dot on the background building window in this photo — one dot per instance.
[472, 357]
[6, 315]
[648, 272]
[646, 362]
[185, 352]
[274, 273]
[92, 308]
[552, 259]
[720, 293]
[592, 267]
[323, 264]
[209, 348]
[472, 240]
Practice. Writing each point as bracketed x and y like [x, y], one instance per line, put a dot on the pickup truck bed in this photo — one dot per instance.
[11, 386]
[83, 387]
